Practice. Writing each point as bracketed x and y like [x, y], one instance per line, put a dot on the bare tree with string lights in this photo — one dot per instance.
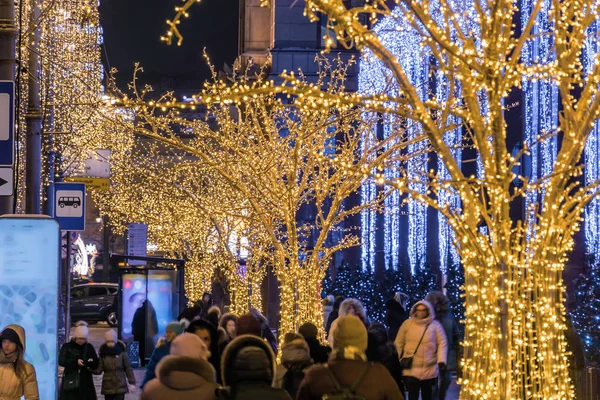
[288, 162]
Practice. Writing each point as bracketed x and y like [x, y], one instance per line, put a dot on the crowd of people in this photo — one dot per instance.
[205, 355]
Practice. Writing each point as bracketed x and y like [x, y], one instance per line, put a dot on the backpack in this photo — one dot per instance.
[345, 393]
[292, 379]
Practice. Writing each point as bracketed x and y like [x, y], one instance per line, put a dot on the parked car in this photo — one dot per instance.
[93, 302]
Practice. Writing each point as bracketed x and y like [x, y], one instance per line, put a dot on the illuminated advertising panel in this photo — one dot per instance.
[29, 289]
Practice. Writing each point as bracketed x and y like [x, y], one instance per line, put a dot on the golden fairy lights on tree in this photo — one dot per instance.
[289, 164]
[514, 338]
[74, 110]
[190, 213]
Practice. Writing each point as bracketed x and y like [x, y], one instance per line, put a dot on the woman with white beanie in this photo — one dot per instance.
[17, 376]
[115, 364]
[185, 374]
[79, 359]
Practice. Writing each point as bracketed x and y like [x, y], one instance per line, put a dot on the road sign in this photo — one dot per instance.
[69, 206]
[101, 184]
[137, 239]
[6, 181]
[7, 123]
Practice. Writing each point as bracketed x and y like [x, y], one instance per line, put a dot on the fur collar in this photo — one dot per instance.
[170, 364]
[112, 351]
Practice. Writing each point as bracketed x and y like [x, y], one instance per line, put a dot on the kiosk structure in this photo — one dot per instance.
[150, 296]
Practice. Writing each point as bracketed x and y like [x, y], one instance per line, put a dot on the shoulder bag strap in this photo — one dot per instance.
[417, 348]
[360, 378]
[335, 382]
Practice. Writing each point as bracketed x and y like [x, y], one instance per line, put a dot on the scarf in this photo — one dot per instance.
[8, 358]
[347, 353]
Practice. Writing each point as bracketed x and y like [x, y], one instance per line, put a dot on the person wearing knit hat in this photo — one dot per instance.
[348, 366]
[17, 376]
[295, 359]
[395, 314]
[116, 367]
[185, 373]
[79, 359]
[163, 346]
[248, 325]
[81, 330]
[318, 352]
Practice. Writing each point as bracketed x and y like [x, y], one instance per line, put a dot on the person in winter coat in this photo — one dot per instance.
[248, 325]
[431, 354]
[115, 364]
[185, 374]
[79, 359]
[441, 304]
[349, 367]
[334, 314]
[327, 303]
[382, 350]
[163, 346]
[265, 329]
[209, 335]
[295, 359]
[395, 314]
[350, 307]
[205, 304]
[229, 323]
[318, 352]
[144, 325]
[214, 315]
[248, 366]
[17, 376]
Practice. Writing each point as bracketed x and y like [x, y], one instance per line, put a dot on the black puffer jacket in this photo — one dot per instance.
[383, 351]
[395, 315]
[247, 370]
[115, 364]
[69, 354]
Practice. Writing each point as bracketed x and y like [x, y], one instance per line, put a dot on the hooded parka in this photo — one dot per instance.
[247, 371]
[433, 348]
[115, 364]
[182, 378]
[13, 387]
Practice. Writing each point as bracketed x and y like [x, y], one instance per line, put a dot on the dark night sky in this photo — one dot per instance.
[132, 30]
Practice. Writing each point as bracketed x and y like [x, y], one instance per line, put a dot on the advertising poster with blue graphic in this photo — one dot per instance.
[29, 267]
[147, 306]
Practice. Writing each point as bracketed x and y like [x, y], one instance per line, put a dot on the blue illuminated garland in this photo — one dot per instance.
[592, 151]
[374, 77]
[541, 97]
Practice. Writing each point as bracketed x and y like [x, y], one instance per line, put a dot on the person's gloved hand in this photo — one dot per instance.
[442, 366]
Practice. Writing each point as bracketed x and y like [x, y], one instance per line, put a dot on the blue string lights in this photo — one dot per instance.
[374, 77]
[592, 152]
[541, 98]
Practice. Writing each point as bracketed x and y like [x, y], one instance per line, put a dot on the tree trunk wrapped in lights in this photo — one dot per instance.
[514, 339]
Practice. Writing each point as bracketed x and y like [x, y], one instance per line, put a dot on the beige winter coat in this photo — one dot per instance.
[182, 378]
[11, 387]
[433, 348]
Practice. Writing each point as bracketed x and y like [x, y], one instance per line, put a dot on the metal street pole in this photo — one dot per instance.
[33, 117]
[105, 249]
[8, 35]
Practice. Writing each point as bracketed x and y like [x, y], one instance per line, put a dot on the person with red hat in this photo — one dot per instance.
[17, 376]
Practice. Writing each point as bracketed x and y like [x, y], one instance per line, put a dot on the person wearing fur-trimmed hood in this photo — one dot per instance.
[248, 371]
[116, 367]
[350, 307]
[185, 374]
[17, 376]
[431, 354]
